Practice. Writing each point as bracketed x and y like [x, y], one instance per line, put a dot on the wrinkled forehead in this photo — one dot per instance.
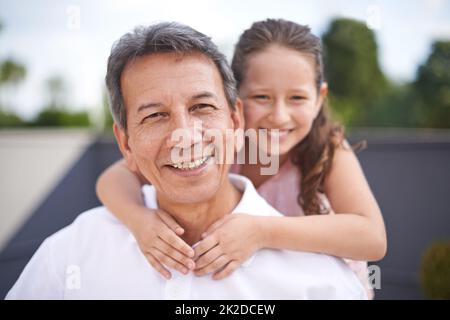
[169, 78]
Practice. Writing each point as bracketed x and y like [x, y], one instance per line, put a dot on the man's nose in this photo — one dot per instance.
[185, 133]
[279, 113]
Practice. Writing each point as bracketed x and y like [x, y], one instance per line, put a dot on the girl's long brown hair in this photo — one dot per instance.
[314, 154]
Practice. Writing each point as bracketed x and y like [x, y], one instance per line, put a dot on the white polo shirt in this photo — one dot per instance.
[96, 257]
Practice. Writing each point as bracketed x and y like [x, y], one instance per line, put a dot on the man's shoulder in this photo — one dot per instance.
[88, 225]
[95, 216]
[80, 244]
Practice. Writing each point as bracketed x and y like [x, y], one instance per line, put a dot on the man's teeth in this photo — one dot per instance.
[190, 165]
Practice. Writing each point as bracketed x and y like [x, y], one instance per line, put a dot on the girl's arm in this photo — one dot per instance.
[356, 231]
[156, 232]
[119, 189]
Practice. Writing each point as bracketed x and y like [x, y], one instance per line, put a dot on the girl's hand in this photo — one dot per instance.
[157, 235]
[227, 244]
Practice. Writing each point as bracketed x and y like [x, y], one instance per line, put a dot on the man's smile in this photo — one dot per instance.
[191, 168]
[189, 165]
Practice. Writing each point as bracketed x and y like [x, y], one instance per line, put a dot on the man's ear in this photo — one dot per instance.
[237, 116]
[122, 141]
[323, 92]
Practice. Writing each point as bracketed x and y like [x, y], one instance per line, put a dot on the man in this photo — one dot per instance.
[161, 79]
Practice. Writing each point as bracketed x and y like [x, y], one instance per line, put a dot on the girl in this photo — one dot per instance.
[320, 187]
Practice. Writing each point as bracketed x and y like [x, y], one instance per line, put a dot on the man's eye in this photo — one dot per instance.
[155, 115]
[203, 106]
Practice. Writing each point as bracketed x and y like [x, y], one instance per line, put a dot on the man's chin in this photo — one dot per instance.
[192, 195]
[191, 186]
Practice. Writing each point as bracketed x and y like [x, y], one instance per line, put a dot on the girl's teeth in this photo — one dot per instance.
[190, 165]
[279, 133]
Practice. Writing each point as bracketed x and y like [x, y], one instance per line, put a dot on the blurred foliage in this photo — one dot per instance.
[56, 89]
[361, 95]
[432, 87]
[435, 271]
[352, 69]
[55, 113]
[51, 117]
[10, 119]
[11, 72]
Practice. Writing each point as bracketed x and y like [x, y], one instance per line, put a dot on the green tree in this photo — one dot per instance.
[352, 69]
[11, 74]
[51, 117]
[435, 270]
[56, 113]
[10, 119]
[432, 87]
[57, 91]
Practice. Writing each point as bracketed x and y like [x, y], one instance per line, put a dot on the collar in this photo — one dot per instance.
[251, 202]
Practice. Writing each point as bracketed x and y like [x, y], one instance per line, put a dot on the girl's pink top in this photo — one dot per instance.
[281, 191]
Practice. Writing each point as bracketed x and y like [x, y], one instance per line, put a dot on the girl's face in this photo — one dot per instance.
[279, 92]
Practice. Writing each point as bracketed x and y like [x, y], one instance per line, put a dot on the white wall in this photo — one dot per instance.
[31, 164]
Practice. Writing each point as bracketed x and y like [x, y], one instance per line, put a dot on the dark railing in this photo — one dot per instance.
[409, 174]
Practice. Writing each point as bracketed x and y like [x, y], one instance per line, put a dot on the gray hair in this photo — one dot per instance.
[158, 38]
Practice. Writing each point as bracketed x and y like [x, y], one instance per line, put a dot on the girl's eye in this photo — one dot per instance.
[298, 98]
[203, 106]
[261, 97]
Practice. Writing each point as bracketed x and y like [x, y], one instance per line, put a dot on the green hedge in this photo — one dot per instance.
[435, 271]
[9, 119]
[61, 118]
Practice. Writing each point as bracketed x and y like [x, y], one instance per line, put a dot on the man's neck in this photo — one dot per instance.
[195, 218]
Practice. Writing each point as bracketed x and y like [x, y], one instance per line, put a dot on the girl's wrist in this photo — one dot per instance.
[264, 232]
[136, 216]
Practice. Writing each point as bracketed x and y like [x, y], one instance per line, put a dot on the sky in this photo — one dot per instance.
[73, 38]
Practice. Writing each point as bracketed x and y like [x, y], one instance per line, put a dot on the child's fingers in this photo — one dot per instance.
[158, 266]
[168, 261]
[175, 254]
[170, 222]
[217, 264]
[175, 241]
[205, 245]
[225, 272]
[209, 257]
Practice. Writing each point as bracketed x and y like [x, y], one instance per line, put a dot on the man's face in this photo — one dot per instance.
[164, 93]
